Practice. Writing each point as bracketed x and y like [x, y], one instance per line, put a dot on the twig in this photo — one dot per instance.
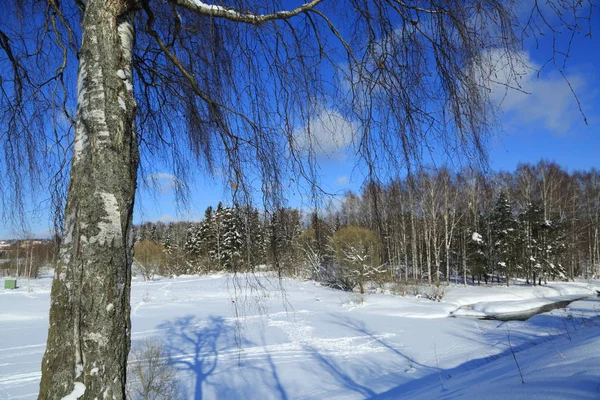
[566, 329]
[437, 365]
[513, 353]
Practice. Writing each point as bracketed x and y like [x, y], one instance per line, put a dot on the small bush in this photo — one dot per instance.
[434, 293]
[151, 375]
[340, 283]
[150, 258]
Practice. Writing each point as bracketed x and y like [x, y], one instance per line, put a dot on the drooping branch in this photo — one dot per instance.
[16, 67]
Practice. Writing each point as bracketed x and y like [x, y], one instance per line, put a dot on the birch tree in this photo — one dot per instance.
[94, 86]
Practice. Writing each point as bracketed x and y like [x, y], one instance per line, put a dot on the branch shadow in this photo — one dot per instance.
[194, 345]
[214, 347]
[361, 328]
[358, 377]
[339, 374]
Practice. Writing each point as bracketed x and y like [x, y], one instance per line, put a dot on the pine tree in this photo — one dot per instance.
[174, 244]
[254, 238]
[505, 235]
[275, 240]
[531, 228]
[478, 253]
[553, 246]
[193, 246]
[208, 234]
[233, 239]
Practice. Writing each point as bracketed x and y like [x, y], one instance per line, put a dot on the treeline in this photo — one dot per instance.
[25, 258]
[536, 223]
[232, 239]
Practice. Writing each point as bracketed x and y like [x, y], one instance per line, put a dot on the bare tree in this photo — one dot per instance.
[99, 85]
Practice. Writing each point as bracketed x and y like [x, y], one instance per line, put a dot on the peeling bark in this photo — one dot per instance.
[89, 335]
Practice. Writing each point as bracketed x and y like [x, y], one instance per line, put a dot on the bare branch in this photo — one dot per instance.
[231, 14]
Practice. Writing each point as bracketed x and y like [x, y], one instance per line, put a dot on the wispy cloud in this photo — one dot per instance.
[342, 180]
[528, 97]
[163, 182]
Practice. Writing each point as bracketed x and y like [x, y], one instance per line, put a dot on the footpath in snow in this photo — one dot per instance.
[229, 339]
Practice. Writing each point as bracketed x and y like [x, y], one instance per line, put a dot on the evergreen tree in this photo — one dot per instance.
[505, 235]
[479, 253]
[175, 250]
[233, 239]
[254, 246]
[208, 234]
[553, 246]
[192, 245]
[532, 226]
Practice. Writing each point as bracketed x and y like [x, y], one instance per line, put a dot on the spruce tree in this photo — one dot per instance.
[233, 239]
[505, 236]
[532, 232]
[193, 245]
[254, 238]
[208, 239]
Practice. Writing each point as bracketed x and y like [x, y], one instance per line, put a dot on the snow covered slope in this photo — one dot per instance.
[230, 340]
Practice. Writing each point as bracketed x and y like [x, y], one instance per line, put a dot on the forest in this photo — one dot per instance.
[536, 223]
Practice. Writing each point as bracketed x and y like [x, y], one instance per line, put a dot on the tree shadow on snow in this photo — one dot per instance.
[212, 350]
[456, 382]
[363, 378]
[194, 345]
[361, 328]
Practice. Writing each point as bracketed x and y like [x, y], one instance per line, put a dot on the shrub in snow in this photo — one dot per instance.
[435, 293]
[151, 375]
[150, 258]
[357, 252]
[335, 280]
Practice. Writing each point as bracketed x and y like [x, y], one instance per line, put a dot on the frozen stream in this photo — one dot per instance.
[491, 311]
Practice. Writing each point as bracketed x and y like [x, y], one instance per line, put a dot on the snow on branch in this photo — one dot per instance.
[216, 11]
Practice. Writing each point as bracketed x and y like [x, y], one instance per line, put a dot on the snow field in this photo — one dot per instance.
[231, 339]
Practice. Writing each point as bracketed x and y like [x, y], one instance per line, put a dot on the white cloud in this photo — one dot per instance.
[327, 133]
[166, 218]
[163, 182]
[342, 180]
[188, 216]
[529, 99]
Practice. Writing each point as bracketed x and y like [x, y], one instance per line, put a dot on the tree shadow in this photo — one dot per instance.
[360, 327]
[214, 347]
[358, 378]
[340, 375]
[194, 345]
[462, 381]
[272, 372]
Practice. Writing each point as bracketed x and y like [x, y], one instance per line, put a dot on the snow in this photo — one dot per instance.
[78, 370]
[476, 237]
[125, 30]
[304, 341]
[78, 391]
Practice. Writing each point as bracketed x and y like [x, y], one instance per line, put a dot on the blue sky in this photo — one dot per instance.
[545, 124]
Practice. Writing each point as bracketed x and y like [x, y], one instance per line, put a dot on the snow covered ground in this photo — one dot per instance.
[230, 340]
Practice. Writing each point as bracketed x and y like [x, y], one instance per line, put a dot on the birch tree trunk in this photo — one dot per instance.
[89, 335]
[413, 232]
